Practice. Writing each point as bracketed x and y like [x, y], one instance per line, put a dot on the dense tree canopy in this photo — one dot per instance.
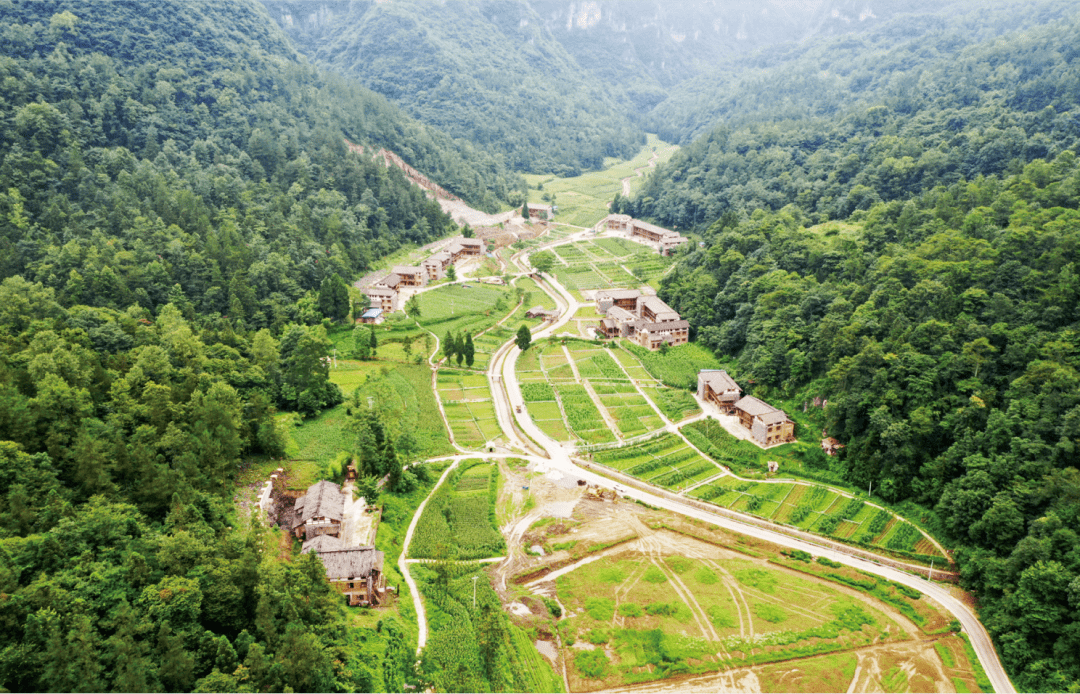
[838, 126]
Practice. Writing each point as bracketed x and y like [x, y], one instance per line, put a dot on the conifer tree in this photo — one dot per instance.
[469, 350]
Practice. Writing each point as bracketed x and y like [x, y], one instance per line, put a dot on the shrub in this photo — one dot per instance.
[769, 612]
[706, 576]
[600, 609]
[598, 636]
[720, 617]
[655, 575]
[679, 565]
[592, 664]
[612, 574]
[630, 609]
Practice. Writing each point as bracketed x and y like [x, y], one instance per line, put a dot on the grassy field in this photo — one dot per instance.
[402, 392]
[462, 627]
[650, 619]
[583, 200]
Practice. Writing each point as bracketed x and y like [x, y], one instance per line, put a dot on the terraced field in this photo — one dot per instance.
[666, 461]
[466, 399]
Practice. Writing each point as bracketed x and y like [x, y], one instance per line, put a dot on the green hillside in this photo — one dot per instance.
[179, 215]
[488, 72]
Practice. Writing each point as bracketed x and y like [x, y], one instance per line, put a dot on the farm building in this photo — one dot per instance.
[717, 387]
[356, 572]
[541, 312]
[410, 276]
[319, 512]
[616, 222]
[382, 297]
[462, 246]
[653, 336]
[766, 424]
[665, 240]
[436, 265]
[653, 310]
[542, 212]
[372, 315]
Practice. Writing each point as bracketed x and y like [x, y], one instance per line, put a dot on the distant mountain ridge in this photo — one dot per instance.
[550, 85]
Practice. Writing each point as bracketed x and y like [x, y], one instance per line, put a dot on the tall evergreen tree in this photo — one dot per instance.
[469, 350]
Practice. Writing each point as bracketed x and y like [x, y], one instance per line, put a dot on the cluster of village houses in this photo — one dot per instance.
[385, 294]
[643, 319]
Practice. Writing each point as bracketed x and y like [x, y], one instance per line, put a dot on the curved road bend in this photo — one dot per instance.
[559, 459]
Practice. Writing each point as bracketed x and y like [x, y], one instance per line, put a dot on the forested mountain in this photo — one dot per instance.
[553, 86]
[883, 121]
[911, 256]
[177, 205]
[485, 71]
[646, 48]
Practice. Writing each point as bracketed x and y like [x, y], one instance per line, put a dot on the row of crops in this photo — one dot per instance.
[665, 461]
[818, 509]
[469, 409]
[608, 372]
[459, 521]
[581, 414]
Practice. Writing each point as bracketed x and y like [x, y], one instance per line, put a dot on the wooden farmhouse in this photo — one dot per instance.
[717, 387]
[462, 246]
[319, 512]
[766, 424]
[623, 298]
[392, 282]
[355, 572]
[436, 265]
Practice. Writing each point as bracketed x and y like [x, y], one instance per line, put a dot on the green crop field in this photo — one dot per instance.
[548, 368]
[665, 461]
[679, 367]
[459, 521]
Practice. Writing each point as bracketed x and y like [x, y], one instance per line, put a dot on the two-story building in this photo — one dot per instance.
[411, 276]
[355, 572]
[717, 387]
[436, 265]
[320, 511]
[623, 298]
[768, 425]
